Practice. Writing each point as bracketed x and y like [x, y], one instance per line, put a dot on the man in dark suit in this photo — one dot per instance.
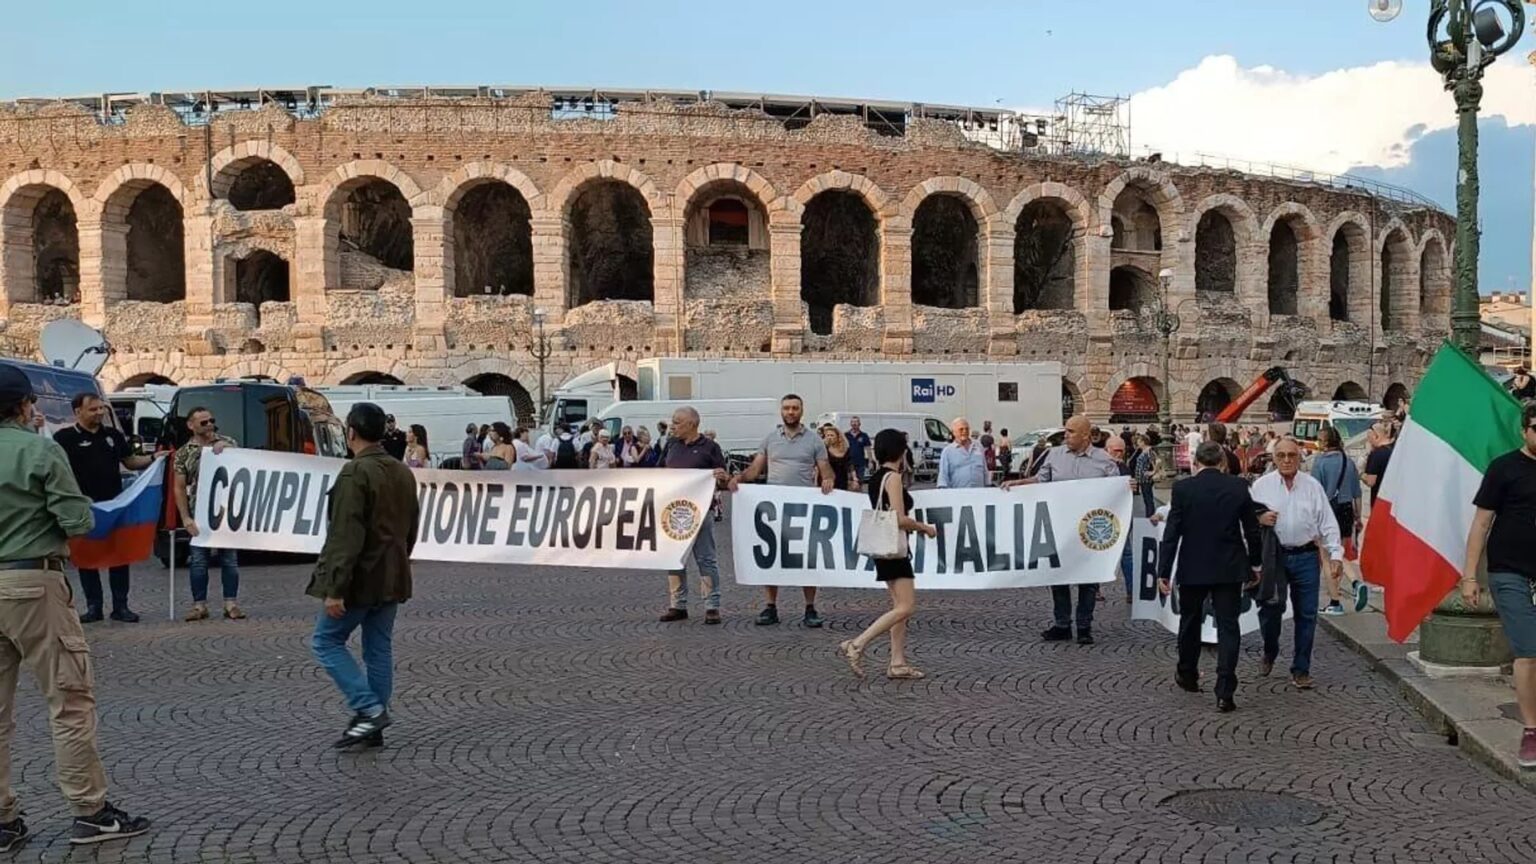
[1213, 534]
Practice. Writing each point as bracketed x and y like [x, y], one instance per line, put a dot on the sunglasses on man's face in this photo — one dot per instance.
[203, 423]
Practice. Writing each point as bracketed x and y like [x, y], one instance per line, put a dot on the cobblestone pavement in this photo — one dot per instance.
[546, 716]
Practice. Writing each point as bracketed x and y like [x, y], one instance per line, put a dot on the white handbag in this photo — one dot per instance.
[880, 536]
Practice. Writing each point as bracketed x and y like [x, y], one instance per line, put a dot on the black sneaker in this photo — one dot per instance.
[108, 823]
[13, 834]
[91, 615]
[769, 615]
[127, 616]
[361, 729]
[1057, 634]
[812, 618]
[712, 616]
[1084, 636]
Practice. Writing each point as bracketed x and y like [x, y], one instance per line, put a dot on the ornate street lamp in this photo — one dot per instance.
[540, 348]
[1465, 37]
[1166, 322]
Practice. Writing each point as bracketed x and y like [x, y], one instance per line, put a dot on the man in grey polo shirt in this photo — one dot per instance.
[1074, 459]
[793, 456]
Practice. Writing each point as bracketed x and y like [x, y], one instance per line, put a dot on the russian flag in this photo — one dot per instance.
[125, 526]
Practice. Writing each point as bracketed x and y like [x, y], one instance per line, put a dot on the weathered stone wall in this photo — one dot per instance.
[350, 313]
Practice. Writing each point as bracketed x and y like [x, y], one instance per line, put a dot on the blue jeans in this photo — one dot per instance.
[1302, 571]
[1128, 567]
[1148, 500]
[229, 572]
[709, 572]
[367, 694]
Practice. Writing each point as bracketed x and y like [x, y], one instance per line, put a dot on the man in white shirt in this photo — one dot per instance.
[963, 464]
[546, 445]
[1297, 508]
[1193, 440]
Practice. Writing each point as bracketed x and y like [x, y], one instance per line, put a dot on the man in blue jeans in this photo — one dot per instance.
[1297, 507]
[364, 573]
[187, 462]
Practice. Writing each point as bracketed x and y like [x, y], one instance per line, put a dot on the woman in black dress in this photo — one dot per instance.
[891, 455]
[843, 475]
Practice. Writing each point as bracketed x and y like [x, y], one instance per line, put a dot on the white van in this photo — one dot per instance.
[740, 425]
[926, 434]
[141, 411]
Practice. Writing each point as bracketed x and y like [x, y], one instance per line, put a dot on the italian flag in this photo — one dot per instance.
[1416, 543]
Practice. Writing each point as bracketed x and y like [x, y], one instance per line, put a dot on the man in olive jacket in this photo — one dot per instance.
[364, 573]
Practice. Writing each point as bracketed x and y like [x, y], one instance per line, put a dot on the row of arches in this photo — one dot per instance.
[614, 228]
[1139, 399]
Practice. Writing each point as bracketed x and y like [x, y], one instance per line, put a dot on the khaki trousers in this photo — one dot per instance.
[39, 627]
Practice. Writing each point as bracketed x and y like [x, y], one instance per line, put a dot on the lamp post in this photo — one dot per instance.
[540, 349]
[1166, 322]
[1465, 37]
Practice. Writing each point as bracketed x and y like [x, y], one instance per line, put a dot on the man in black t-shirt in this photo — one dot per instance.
[1381, 440]
[686, 448]
[1506, 523]
[394, 438]
[97, 453]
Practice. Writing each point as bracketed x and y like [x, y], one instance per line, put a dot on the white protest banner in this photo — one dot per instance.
[1047, 534]
[641, 518]
[1147, 604]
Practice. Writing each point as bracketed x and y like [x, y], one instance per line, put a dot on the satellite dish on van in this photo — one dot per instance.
[72, 345]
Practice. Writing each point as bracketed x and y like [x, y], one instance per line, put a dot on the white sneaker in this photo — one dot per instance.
[1334, 608]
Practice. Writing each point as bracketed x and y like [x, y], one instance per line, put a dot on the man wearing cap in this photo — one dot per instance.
[394, 438]
[40, 509]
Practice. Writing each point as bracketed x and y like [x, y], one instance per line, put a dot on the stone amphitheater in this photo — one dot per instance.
[384, 237]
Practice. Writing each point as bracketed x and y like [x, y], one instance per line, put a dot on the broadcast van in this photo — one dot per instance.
[56, 387]
[740, 425]
[441, 412]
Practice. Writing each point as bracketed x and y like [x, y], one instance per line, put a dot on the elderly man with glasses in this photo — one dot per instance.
[1297, 507]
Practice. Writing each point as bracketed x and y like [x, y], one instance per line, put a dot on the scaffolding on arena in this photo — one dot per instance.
[1094, 125]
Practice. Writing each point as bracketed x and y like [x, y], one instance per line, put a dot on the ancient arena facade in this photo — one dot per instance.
[409, 238]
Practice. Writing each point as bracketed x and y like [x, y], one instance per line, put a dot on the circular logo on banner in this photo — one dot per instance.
[1099, 529]
[680, 519]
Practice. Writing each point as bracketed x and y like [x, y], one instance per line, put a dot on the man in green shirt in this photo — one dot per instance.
[364, 573]
[40, 509]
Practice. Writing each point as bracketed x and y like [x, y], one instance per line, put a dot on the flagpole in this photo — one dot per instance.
[170, 588]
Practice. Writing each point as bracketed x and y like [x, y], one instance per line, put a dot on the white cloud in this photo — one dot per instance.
[1366, 115]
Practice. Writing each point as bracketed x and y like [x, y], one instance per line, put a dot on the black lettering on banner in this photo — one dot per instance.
[426, 497]
[263, 496]
[850, 536]
[322, 512]
[565, 500]
[287, 496]
[543, 504]
[790, 532]
[823, 527]
[1043, 543]
[921, 554]
[585, 516]
[607, 508]
[940, 518]
[519, 513]
[645, 532]
[623, 539]
[219, 481]
[1019, 546]
[968, 545]
[447, 506]
[302, 525]
[467, 520]
[490, 511]
[1147, 571]
[995, 563]
[763, 517]
[239, 497]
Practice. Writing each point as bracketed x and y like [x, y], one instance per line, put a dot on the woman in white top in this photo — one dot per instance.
[602, 452]
[527, 456]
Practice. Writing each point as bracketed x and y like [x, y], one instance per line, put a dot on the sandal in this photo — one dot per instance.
[234, 613]
[855, 657]
[904, 673]
[197, 613]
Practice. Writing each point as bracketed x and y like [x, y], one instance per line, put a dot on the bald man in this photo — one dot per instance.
[963, 464]
[1074, 459]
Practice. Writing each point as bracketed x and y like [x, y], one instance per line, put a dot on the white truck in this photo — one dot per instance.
[1015, 396]
[443, 412]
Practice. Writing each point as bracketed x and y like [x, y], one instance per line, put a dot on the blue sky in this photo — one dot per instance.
[1017, 54]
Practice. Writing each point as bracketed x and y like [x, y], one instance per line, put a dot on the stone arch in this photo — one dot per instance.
[571, 185]
[350, 371]
[1136, 399]
[488, 374]
[1349, 268]
[1349, 391]
[1050, 224]
[143, 239]
[145, 379]
[453, 187]
[1072, 402]
[227, 163]
[261, 276]
[254, 366]
[1396, 285]
[1131, 288]
[1217, 254]
[116, 374]
[1215, 396]
[1289, 233]
[727, 247]
[874, 197]
[40, 212]
[1281, 407]
[840, 250]
[610, 230]
[1434, 275]
[368, 206]
[346, 176]
[977, 199]
[371, 377]
[948, 250]
[1157, 189]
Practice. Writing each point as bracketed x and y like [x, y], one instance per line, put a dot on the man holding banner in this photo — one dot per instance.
[792, 456]
[364, 573]
[686, 448]
[1213, 535]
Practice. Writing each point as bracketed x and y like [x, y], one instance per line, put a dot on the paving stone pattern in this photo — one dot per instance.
[546, 716]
